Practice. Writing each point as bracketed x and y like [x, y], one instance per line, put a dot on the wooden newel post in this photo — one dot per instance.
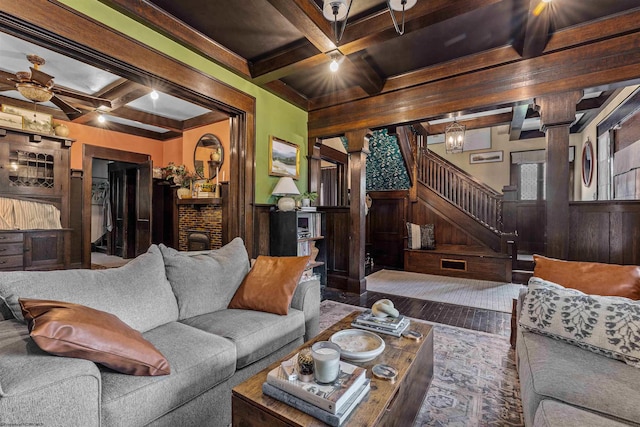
[557, 112]
[358, 142]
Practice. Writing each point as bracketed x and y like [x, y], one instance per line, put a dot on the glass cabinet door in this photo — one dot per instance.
[30, 169]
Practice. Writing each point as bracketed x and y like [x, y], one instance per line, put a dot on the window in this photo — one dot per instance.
[532, 181]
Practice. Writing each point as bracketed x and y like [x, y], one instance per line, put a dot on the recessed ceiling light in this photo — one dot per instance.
[154, 95]
[101, 118]
[334, 66]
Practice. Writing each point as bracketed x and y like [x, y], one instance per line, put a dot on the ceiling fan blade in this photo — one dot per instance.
[6, 86]
[38, 76]
[70, 111]
[91, 100]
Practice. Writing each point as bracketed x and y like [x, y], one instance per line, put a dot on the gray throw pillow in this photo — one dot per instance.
[606, 325]
[421, 236]
[205, 281]
[138, 293]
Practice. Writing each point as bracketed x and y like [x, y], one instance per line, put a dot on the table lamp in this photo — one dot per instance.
[284, 188]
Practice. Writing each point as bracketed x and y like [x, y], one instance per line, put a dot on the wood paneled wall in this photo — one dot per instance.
[528, 219]
[599, 231]
[261, 228]
[446, 233]
[606, 232]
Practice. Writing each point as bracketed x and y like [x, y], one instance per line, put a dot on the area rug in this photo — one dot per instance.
[475, 382]
[484, 294]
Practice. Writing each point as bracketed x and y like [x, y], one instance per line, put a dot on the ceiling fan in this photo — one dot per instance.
[38, 86]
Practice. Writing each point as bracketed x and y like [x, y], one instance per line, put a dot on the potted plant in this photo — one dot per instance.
[308, 197]
[179, 175]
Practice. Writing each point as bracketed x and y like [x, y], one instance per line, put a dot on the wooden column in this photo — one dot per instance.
[358, 149]
[557, 112]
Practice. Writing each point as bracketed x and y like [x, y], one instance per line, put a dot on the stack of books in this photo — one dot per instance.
[385, 325]
[330, 403]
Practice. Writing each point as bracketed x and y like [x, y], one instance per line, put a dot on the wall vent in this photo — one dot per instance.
[453, 264]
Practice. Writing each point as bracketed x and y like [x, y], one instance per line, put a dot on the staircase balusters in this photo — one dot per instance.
[461, 189]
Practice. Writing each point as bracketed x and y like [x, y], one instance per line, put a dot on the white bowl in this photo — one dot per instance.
[357, 345]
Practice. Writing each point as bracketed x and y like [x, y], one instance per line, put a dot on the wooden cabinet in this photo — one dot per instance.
[297, 233]
[35, 167]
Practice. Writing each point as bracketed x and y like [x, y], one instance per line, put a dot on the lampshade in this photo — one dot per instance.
[285, 186]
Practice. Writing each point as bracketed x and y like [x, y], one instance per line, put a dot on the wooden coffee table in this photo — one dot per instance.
[387, 404]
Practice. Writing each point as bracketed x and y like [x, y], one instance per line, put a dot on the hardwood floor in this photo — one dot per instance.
[477, 319]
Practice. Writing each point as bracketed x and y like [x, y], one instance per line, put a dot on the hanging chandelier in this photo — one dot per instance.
[337, 11]
[454, 138]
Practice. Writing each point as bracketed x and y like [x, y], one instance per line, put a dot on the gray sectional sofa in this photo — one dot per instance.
[178, 302]
[564, 385]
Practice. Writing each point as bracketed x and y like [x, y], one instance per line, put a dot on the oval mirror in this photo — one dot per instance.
[208, 156]
[587, 163]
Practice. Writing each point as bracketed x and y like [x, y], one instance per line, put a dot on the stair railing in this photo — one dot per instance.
[461, 189]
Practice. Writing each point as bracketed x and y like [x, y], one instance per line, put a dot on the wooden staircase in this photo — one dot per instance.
[464, 202]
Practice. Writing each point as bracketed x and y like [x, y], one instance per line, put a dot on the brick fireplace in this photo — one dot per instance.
[203, 218]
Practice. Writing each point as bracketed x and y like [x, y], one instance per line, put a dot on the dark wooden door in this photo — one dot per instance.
[131, 209]
[386, 223]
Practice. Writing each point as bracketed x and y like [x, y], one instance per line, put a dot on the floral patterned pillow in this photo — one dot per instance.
[609, 326]
[421, 236]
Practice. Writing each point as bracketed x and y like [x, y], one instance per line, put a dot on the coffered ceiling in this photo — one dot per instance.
[286, 45]
[130, 107]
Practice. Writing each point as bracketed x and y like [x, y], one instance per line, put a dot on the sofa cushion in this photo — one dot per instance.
[555, 414]
[34, 385]
[606, 325]
[199, 361]
[270, 284]
[205, 281]
[138, 293]
[557, 370]
[421, 236]
[73, 330]
[256, 334]
[590, 277]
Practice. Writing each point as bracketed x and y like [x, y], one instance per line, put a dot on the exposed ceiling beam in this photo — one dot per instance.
[122, 92]
[308, 19]
[177, 30]
[534, 33]
[477, 123]
[624, 23]
[130, 130]
[366, 77]
[517, 120]
[362, 34]
[204, 119]
[594, 64]
[147, 118]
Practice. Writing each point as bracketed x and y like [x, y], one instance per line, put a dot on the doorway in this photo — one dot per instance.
[129, 181]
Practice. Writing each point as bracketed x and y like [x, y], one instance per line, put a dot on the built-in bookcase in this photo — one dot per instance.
[297, 233]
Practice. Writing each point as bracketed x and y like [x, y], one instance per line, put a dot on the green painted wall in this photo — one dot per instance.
[273, 115]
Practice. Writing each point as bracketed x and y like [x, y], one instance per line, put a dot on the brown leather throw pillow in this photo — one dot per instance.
[270, 284]
[590, 277]
[73, 330]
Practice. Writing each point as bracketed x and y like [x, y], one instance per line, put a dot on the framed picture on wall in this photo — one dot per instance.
[11, 120]
[33, 121]
[284, 158]
[488, 157]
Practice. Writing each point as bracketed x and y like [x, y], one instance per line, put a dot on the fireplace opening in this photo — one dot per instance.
[198, 240]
